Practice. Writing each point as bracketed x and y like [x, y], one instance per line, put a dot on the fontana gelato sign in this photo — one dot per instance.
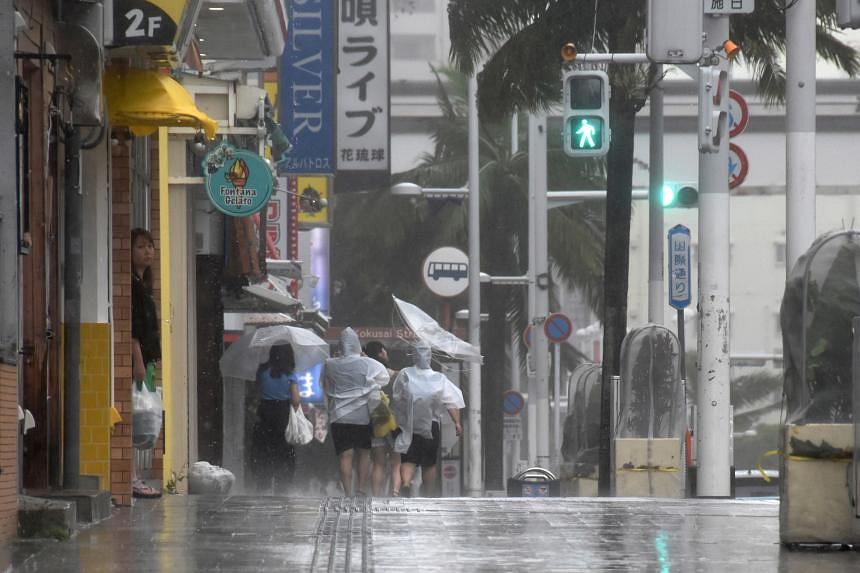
[238, 182]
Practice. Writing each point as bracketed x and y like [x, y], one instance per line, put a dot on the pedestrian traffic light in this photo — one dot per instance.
[586, 130]
[713, 112]
[680, 195]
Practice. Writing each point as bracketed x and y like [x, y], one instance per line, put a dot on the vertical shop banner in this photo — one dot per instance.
[363, 103]
[306, 98]
[276, 223]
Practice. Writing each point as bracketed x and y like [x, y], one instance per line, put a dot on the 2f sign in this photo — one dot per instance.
[140, 26]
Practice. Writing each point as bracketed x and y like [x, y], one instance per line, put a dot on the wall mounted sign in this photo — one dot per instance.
[238, 182]
[363, 102]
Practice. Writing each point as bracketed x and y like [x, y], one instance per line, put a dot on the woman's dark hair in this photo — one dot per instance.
[281, 360]
[373, 349]
[135, 235]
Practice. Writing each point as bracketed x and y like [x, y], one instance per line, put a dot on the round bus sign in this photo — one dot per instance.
[446, 271]
[527, 336]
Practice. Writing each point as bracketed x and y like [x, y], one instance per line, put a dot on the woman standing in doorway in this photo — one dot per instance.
[145, 338]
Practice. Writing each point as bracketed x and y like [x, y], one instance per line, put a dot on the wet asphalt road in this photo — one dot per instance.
[201, 533]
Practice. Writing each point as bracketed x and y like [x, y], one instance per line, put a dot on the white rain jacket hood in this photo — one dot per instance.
[350, 379]
[421, 395]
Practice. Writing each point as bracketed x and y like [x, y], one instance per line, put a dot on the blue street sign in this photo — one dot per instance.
[512, 402]
[307, 87]
[310, 388]
[679, 267]
[557, 327]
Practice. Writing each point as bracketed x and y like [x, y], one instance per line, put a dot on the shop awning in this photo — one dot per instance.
[145, 100]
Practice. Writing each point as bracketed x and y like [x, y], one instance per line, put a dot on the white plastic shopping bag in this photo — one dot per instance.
[299, 429]
[147, 409]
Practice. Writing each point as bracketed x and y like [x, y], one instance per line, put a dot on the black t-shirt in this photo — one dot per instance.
[144, 321]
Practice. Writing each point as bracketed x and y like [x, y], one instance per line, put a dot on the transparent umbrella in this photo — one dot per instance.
[439, 339]
[248, 352]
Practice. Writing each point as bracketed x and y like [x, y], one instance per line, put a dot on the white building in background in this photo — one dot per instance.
[419, 37]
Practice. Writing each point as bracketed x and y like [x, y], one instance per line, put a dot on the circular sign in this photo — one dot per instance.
[512, 402]
[238, 182]
[527, 336]
[739, 166]
[449, 471]
[739, 113]
[557, 327]
[446, 271]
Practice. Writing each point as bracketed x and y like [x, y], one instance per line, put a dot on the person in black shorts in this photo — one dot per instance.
[348, 381]
[421, 395]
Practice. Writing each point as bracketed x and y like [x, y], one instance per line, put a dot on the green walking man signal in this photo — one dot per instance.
[586, 113]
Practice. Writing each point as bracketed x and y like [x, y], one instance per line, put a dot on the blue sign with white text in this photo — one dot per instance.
[310, 386]
[679, 267]
[307, 87]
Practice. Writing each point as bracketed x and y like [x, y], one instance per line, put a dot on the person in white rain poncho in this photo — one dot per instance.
[421, 397]
[348, 381]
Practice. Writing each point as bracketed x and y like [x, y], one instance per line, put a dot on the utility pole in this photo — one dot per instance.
[714, 410]
[800, 129]
[474, 468]
[531, 405]
[656, 301]
[539, 392]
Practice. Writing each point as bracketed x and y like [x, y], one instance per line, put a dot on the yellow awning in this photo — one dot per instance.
[145, 100]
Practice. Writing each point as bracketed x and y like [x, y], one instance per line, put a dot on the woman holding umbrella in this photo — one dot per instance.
[272, 458]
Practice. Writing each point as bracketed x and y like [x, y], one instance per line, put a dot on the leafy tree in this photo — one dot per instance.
[519, 41]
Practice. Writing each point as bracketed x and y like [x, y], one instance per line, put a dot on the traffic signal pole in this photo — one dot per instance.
[539, 383]
[800, 129]
[714, 410]
[656, 298]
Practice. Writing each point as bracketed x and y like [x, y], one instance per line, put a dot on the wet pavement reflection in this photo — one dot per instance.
[201, 533]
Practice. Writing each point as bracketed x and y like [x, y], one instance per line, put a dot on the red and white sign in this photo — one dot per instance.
[739, 166]
[739, 113]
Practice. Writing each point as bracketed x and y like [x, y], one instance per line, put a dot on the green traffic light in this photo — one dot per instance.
[586, 132]
[679, 196]
[668, 195]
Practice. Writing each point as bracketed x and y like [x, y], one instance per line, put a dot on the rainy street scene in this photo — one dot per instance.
[429, 285]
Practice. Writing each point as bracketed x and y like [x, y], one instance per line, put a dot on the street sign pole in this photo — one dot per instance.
[713, 300]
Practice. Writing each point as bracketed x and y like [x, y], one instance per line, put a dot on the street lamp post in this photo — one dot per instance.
[474, 447]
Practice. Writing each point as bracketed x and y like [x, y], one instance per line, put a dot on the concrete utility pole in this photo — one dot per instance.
[714, 310]
[800, 129]
[8, 191]
[531, 405]
[656, 298]
[539, 392]
[474, 467]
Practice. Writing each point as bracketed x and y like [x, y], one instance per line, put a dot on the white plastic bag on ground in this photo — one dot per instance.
[205, 478]
[299, 429]
[147, 411]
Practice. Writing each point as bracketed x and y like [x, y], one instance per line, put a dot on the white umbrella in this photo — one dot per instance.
[248, 352]
[437, 337]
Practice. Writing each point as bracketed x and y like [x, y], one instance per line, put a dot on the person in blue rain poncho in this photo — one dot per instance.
[349, 381]
[420, 397]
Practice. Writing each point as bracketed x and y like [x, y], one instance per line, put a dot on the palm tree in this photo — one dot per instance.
[413, 230]
[519, 40]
